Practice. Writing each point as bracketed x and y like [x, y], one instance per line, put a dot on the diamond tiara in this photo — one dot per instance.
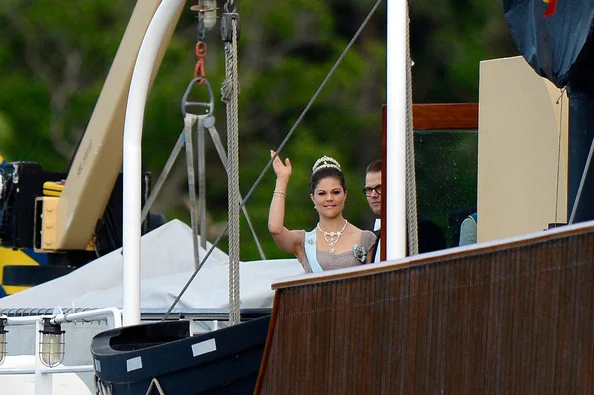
[324, 162]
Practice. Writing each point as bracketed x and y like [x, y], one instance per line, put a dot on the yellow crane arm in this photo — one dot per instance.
[68, 221]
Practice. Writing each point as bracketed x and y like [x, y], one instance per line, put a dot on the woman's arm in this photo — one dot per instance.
[285, 239]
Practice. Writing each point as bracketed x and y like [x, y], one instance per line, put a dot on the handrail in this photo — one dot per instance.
[112, 314]
[54, 370]
[152, 314]
[442, 255]
[43, 374]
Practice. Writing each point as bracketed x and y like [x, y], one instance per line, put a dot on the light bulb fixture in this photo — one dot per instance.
[3, 333]
[51, 344]
[207, 13]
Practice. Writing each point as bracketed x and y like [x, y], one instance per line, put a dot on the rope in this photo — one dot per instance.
[230, 92]
[102, 388]
[155, 384]
[278, 150]
[411, 186]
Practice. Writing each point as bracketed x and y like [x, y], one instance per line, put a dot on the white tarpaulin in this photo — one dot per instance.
[166, 265]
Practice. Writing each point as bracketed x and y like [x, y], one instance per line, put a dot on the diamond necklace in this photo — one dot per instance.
[332, 237]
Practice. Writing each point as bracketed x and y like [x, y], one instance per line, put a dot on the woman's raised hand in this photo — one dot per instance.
[281, 170]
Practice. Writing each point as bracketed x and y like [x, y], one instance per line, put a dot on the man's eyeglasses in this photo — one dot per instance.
[368, 190]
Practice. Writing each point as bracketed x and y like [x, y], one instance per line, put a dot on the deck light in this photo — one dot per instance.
[3, 333]
[51, 343]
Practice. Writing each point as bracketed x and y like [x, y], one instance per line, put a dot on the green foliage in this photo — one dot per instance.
[54, 58]
[446, 173]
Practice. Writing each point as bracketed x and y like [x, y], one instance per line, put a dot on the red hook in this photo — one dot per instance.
[199, 70]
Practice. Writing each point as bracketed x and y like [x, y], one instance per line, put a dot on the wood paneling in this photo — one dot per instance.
[514, 317]
[457, 116]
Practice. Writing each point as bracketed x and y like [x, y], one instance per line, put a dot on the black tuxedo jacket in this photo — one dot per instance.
[430, 235]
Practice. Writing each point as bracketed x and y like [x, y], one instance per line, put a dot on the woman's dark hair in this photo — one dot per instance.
[326, 172]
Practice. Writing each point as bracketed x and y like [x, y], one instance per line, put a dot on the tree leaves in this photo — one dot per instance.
[54, 58]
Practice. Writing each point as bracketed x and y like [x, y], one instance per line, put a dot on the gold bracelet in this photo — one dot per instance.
[279, 193]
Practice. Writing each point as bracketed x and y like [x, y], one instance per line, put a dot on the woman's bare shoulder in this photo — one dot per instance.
[353, 229]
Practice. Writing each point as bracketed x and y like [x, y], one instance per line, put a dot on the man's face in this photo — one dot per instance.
[373, 180]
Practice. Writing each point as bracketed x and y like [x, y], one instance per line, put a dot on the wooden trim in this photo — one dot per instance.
[444, 116]
[455, 116]
[515, 320]
[432, 257]
[384, 180]
[268, 345]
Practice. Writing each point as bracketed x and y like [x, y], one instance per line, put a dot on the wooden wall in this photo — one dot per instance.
[514, 317]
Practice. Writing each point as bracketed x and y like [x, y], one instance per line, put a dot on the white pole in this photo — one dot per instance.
[43, 381]
[395, 216]
[139, 87]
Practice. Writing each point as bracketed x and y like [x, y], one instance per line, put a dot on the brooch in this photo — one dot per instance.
[359, 252]
[310, 241]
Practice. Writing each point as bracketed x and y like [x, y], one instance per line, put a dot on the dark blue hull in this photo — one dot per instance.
[227, 361]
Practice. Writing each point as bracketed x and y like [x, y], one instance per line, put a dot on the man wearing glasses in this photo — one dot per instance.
[373, 193]
[431, 237]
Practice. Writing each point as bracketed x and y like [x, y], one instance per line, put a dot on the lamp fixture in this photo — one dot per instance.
[3, 333]
[51, 343]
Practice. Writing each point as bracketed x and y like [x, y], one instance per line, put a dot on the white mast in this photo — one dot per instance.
[139, 87]
[395, 215]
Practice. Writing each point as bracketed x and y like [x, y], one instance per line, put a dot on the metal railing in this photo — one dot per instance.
[43, 374]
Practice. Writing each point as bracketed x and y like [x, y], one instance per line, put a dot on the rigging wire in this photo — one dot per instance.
[278, 150]
[578, 195]
[560, 102]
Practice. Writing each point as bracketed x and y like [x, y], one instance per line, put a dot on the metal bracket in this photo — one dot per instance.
[185, 104]
[44, 237]
[44, 225]
[227, 26]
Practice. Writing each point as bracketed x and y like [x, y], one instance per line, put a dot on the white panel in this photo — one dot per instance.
[204, 347]
[134, 364]
[522, 156]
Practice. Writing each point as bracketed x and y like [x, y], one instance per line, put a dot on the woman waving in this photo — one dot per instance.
[334, 242]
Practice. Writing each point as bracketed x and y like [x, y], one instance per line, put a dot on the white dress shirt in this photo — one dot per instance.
[377, 226]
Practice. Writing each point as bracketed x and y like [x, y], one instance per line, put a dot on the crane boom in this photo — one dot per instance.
[98, 159]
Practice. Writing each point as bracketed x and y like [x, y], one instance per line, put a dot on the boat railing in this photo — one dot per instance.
[150, 314]
[204, 314]
[49, 342]
[39, 318]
